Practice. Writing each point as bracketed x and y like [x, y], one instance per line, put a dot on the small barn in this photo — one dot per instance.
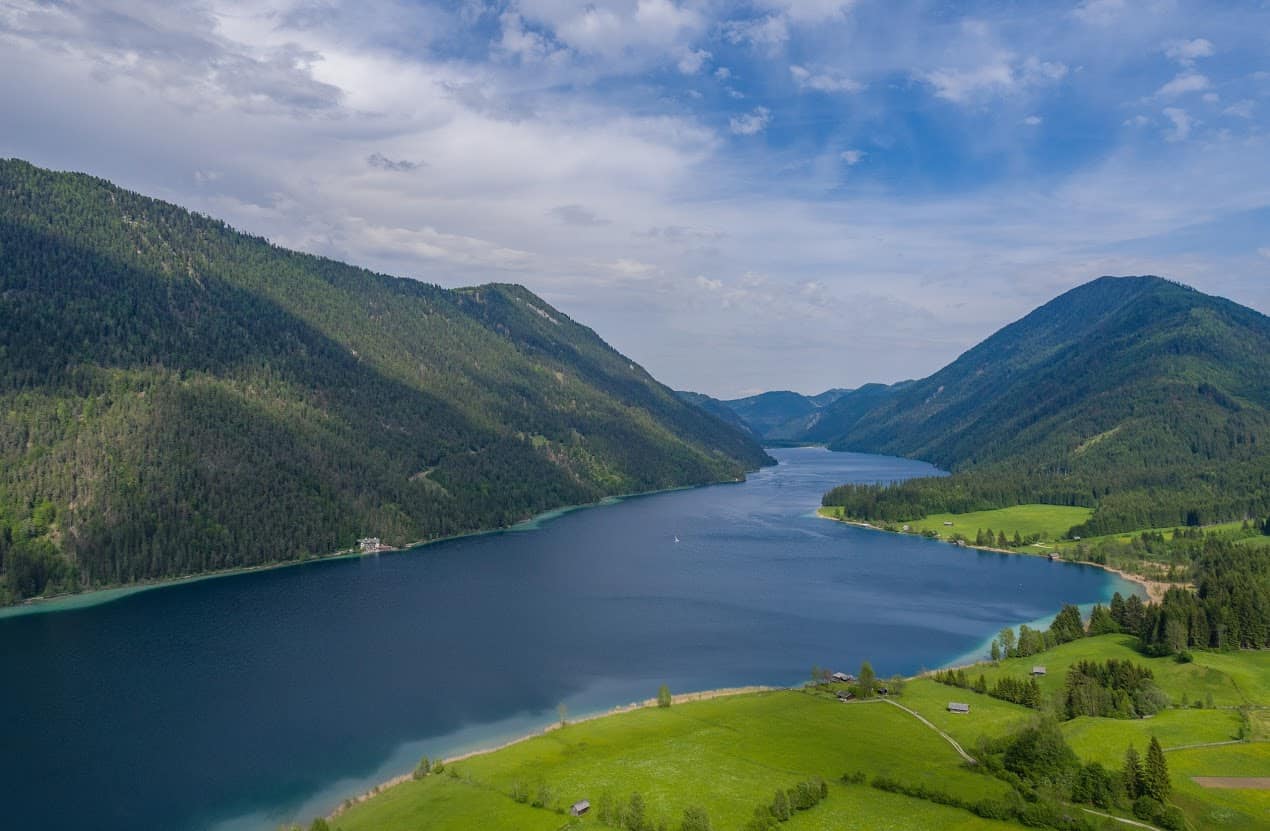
[1038, 670]
[580, 807]
[958, 707]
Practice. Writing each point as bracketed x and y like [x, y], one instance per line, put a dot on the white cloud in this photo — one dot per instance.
[1265, 252]
[852, 157]
[810, 11]
[823, 81]
[999, 77]
[723, 73]
[631, 268]
[707, 283]
[1137, 121]
[1186, 52]
[764, 33]
[1032, 120]
[693, 60]
[1182, 124]
[1099, 12]
[1240, 109]
[206, 177]
[751, 123]
[1182, 84]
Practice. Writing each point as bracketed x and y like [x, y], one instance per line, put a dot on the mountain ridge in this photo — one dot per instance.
[178, 397]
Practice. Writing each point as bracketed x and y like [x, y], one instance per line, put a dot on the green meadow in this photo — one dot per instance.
[1051, 522]
[728, 755]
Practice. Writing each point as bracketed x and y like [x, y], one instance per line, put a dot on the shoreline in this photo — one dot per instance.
[1153, 589]
[647, 703]
[109, 593]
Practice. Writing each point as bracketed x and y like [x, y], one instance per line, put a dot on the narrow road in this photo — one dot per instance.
[1119, 819]
[960, 750]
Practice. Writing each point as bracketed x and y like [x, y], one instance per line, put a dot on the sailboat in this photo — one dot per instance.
[676, 538]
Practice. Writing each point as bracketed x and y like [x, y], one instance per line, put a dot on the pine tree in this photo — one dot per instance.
[1155, 776]
[1002, 542]
[1132, 773]
[996, 651]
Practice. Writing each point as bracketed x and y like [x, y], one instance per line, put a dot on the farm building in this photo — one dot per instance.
[580, 807]
[958, 707]
[1038, 670]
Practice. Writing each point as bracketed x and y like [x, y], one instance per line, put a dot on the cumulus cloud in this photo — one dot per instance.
[1182, 124]
[1186, 52]
[1099, 12]
[764, 33]
[751, 123]
[693, 60]
[1182, 84]
[1032, 120]
[852, 157]
[1240, 109]
[823, 81]
[999, 77]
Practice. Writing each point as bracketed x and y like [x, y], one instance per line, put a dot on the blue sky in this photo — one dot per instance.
[741, 196]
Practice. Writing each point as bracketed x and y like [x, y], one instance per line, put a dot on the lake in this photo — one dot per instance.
[250, 700]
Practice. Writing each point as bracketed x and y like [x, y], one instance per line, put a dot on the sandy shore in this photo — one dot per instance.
[1153, 589]
[682, 698]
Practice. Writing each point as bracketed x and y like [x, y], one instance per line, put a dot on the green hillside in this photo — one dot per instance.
[177, 397]
[1141, 398]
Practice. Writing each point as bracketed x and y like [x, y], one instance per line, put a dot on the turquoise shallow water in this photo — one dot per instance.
[251, 700]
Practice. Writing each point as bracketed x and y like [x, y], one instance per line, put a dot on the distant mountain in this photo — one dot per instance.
[1143, 398]
[177, 397]
[773, 416]
[719, 409]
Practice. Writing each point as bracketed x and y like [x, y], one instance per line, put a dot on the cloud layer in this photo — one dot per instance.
[779, 194]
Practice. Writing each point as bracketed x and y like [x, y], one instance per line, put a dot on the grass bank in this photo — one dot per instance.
[729, 754]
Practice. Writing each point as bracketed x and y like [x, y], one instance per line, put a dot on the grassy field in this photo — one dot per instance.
[1050, 521]
[1219, 808]
[730, 754]
[1232, 678]
[727, 755]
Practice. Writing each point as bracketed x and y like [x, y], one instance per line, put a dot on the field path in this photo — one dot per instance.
[957, 747]
[1119, 819]
[1206, 744]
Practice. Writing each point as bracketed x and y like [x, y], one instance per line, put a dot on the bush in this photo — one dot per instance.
[1145, 808]
[695, 819]
[1184, 657]
[1171, 819]
[857, 778]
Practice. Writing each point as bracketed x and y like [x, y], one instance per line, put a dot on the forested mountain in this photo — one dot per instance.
[1143, 398]
[176, 397]
[773, 416]
[719, 409]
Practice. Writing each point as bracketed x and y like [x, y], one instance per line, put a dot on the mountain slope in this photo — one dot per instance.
[774, 416]
[718, 409]
[1141, 397]
[177, 397]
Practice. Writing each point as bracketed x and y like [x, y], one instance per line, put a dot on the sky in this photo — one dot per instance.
[778, 194]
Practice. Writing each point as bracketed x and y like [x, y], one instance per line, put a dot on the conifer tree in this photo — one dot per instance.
[1131, 774]
[1155, 775]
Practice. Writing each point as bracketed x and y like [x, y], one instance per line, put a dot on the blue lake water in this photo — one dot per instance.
[251, 700]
